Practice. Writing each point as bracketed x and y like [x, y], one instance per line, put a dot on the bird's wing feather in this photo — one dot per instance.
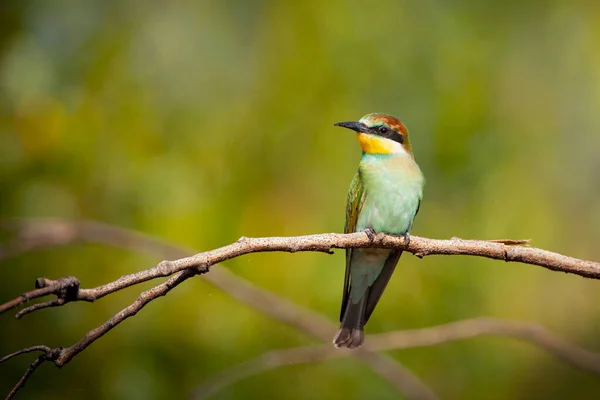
[356, 198]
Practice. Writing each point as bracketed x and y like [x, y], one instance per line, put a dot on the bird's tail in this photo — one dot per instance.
[351, 333]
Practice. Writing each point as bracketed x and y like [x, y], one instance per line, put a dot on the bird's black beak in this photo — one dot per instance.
[355, 126]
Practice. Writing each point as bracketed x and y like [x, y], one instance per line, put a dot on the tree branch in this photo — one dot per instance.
[38, 234]
[30, 370]
[494, 249]
[68, 289]
[404, 339]
[42, 348]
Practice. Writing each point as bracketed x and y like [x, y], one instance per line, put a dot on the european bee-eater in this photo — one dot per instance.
[384, 197]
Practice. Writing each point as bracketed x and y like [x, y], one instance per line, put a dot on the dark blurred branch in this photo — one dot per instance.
[38, 234]
[412, 338]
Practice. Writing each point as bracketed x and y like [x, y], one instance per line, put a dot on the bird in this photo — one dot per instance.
[384, 197]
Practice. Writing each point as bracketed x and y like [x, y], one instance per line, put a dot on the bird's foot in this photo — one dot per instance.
[370, 234]
[406, 237]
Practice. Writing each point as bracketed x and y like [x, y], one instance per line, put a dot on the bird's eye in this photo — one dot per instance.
[383, 130]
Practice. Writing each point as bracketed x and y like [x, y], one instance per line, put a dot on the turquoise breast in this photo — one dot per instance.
[393, 189]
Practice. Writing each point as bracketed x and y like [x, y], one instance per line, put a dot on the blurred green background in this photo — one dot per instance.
[202, 121]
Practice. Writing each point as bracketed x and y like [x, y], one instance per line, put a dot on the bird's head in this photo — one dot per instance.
[380, 134]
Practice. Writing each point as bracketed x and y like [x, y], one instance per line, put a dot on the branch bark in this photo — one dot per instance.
[506, 250]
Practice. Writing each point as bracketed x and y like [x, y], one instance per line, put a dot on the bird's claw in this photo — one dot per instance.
[370, 234]
[406, 237]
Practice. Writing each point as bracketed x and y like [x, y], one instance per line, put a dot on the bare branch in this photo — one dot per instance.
[404, 339]
[67, 289]
[42, 348]
[59, 301]
[419, 246]
[146, 297]
[30, 370]
[64, 288]
[325, 242]
[40, 234]
[49, 355]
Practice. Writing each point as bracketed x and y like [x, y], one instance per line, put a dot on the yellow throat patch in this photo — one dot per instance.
[372, 144]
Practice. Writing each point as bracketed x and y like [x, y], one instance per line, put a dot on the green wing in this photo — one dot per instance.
[356, 198]
[354, 203]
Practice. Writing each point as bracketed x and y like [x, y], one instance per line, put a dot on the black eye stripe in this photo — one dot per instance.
[384, 131]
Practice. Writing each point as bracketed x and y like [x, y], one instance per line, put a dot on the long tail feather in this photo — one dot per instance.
[351, 333]
[355, 315]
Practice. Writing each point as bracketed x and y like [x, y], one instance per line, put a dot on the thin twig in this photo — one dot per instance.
[30, 370]
[146, 297]
[404, 339]
[41, 348]
[65, 288]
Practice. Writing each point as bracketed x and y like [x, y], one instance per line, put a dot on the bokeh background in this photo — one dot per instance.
[202, 121]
